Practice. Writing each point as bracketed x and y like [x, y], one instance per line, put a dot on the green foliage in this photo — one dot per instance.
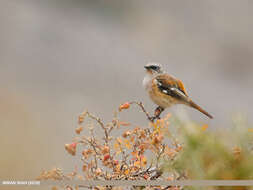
[214, 155]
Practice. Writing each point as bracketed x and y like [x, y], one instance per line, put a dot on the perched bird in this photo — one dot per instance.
[165, 90]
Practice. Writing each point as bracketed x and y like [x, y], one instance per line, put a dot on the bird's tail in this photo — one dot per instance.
[194, 105]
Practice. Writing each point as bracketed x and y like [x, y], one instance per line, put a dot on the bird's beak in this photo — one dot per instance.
[146, 67]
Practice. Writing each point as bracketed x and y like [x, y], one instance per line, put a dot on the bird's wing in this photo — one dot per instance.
[171, 86]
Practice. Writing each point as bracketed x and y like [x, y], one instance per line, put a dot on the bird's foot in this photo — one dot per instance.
[153, 118]
[158, 112]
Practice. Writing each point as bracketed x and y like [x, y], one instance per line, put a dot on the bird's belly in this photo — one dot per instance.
[162, 100]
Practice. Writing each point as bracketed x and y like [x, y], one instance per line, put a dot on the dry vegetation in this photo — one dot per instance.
[152, 153]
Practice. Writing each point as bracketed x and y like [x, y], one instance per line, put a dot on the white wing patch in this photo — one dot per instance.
[170, 89]
[179, 92]
[158, 83]
[165, 91]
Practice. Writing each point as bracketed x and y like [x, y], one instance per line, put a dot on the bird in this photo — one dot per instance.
[165, 90]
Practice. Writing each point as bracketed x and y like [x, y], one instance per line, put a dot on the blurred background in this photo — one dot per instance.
[58, 58]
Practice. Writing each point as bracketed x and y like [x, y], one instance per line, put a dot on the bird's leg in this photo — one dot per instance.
[157, 113]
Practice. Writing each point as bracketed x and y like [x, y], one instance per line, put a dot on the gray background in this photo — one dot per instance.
[60, 57]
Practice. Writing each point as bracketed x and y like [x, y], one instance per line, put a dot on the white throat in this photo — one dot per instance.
[147, 81]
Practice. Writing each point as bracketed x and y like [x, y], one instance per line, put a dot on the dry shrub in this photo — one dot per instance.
[134, 155]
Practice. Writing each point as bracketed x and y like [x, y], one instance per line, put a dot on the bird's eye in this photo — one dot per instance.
[154, 67]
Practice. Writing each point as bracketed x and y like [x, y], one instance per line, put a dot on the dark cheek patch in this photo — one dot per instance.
[153, 67]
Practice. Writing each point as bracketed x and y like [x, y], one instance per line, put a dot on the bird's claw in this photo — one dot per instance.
[152, 119]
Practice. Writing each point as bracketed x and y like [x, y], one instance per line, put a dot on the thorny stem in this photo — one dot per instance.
[147, 171]
[95, 156]
[124, 160]
[159, 155]
[84, 161]
[151, 119]
[83, 186]
[106, 132]
[155, 172]
[102, 125]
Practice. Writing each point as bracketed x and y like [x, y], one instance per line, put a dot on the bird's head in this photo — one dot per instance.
[153, 68]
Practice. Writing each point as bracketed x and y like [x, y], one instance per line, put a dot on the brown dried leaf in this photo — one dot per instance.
[124, 106]
[82, 117]
[105, 149]
[79, 130]
[84, 168]
[126, 134]
[71, 148]
[123, 123]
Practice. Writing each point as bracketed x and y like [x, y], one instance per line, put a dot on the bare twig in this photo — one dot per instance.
[151, 119]
[101, 124]
[167, 187]
[100, 157]
[157, 175]
[159, 155]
